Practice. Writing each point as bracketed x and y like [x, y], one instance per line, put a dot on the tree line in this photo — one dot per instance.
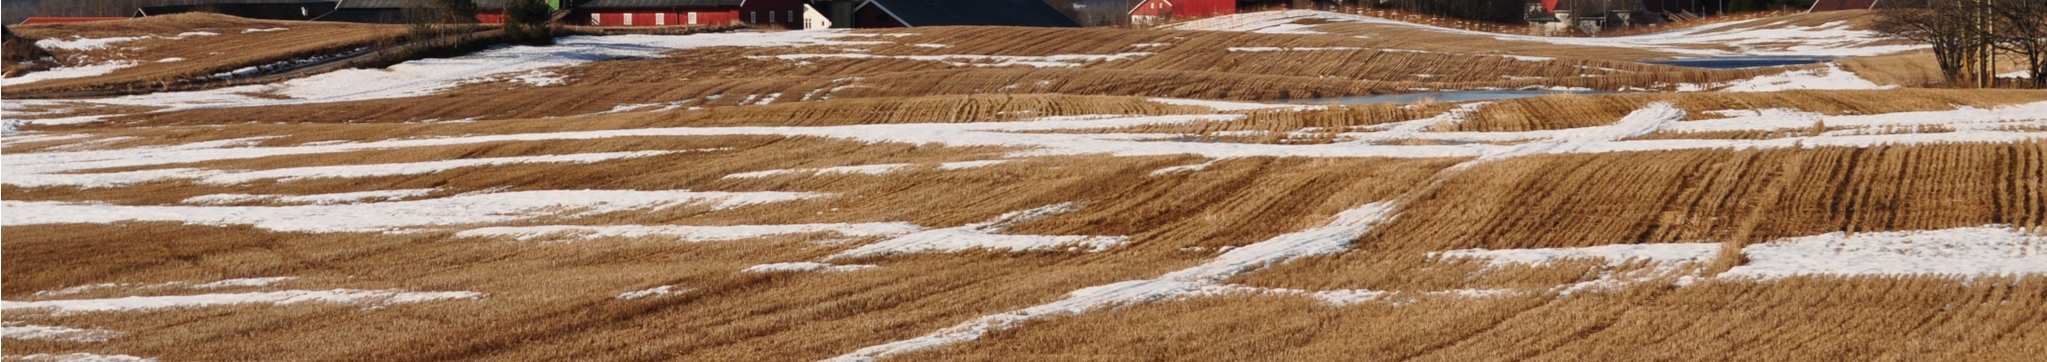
[1970, 37]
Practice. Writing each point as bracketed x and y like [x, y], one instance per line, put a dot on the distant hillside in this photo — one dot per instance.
[16, 10]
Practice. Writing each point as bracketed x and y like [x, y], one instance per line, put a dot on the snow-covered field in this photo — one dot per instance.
[1834, 39]
[665, 232]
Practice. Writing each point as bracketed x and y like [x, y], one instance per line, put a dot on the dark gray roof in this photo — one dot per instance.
[975, 12]
[225, 2]
[387, 4]
[654, 4]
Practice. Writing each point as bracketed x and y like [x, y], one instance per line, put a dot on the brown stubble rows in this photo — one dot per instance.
[552, 300]
[1682, 196]
[1574, 111]
[559, 302]
[294, 125]
[1733, 197]
[544, 300]
[1809, 318]
[203, 55]
[1311, 125]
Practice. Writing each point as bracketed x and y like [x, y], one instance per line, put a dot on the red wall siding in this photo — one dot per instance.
[1150, 8]
[1186, 9]
[1203, 8]
[704, 17]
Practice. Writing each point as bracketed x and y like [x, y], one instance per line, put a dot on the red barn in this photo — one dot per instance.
[1154, 11]
[781, 13]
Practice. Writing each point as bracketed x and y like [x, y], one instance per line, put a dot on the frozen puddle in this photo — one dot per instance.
[338, 296]
[394, 216]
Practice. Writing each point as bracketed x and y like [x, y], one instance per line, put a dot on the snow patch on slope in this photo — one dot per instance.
[983, 235]
[338, 296]
[13, 330]
[1329, 238]
[316, 199]
[689, 232]
[805, 266]
[81, 71]
[1830, 77]
[393, 216]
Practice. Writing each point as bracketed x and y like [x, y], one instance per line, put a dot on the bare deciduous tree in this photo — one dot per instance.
[1940, 23]
[1967, 35]
[2020, 27]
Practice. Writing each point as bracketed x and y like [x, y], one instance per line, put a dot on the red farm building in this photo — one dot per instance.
[1149, 12]
[779, 13]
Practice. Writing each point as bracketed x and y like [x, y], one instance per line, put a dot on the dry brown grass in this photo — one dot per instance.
[1800, 319]
[1710, 195]
[1188, 51]
[556, 300]
[204, 55]
[1317, 124]
[1573, 111]
[1396, 36]
[560, 304]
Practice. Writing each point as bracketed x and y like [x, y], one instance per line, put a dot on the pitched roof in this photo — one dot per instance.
[654, 4]
[406, 4]
[224, 2]
[380, 4]
[973, 12]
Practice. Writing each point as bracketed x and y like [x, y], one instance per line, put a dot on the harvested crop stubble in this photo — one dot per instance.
[1323, 122]
[1573, 111]
[727, 314]
[175, 37]
[1801, 319]
[1192, 52]
[714, 157]
[1721, 195]
[573, 286]
[631, 110]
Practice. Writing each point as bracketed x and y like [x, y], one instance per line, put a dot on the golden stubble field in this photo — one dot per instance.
[1007, 212]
